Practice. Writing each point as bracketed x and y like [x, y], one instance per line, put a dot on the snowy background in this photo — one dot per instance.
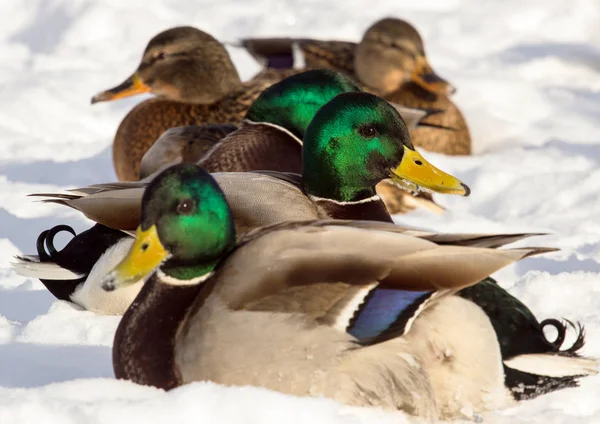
[528, 78]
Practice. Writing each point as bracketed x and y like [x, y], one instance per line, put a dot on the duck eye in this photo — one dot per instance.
[159, 56]
[185, 207]
[367, 131]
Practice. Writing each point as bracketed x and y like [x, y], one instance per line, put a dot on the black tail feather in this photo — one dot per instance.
[561, 328]
[47, 238]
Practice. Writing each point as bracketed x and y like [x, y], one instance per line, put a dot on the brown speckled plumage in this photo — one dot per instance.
[147, 121]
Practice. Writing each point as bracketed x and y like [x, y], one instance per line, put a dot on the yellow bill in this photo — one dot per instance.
[144, 256]
[415, 172]
[425, 77]
[130, 87]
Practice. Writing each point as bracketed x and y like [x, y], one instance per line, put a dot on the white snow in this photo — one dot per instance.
[528, 78]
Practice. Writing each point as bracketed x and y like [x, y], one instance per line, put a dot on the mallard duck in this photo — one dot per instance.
[196, 83]
[390, 61]
[359, 312]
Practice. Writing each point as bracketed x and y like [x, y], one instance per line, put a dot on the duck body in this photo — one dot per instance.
[182, 145]
[256, 199]
[306, 308]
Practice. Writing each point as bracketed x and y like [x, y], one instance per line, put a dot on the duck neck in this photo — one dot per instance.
[336, 192]
[321, 179]
[144, 345]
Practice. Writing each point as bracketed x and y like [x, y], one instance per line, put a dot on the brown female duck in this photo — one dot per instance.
[195, 81]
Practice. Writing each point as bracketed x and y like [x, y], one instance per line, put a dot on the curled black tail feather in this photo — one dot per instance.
[561, 328]
[43, 255]
[47, 238]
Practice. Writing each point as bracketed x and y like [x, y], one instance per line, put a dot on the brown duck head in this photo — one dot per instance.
[390, 54]
[182, 64]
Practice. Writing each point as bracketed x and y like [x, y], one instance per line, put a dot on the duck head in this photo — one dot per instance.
[390, 54]
[357, 140]
[186, 226]
[293, 102]
[182, 64]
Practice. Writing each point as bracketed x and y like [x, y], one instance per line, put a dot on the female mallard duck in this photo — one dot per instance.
[336, 184]
[390, 61]
[356, 311]
[196, 83]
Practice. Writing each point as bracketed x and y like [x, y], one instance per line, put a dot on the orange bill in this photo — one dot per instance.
[130, 87]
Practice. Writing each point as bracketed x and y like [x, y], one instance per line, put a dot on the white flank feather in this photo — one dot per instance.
[42, 270]
[552, 365]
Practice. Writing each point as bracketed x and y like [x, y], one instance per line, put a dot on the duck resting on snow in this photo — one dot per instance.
[358, 311]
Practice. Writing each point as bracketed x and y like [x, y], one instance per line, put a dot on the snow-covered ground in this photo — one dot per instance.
[528, 73]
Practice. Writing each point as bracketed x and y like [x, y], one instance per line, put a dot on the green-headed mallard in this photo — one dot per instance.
[359, 312]
[196, 83]
[390, 61]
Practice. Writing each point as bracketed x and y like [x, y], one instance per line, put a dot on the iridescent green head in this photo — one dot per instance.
[293, 102]
[357, 140]
[186, 227]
